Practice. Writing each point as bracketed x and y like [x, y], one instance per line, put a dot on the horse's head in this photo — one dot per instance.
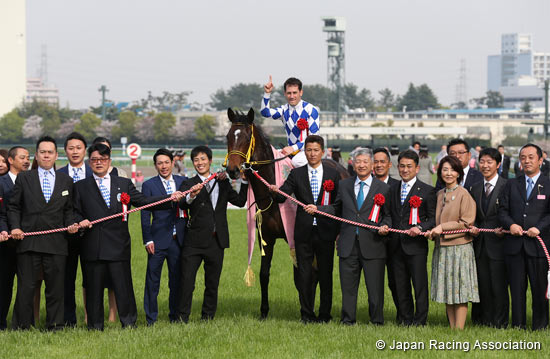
[239, 144]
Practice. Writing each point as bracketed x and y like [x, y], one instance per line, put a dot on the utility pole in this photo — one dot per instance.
[103, 89]
[546, 109]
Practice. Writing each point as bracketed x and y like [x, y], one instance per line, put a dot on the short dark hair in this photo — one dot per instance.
[394, 149]
[13, 151]
[101, 148]
[315, 139]
[75, 136]
[46, 139]
[455, 165]
[491, 152]
[102, 139]
[539, 150]
[409, 154]
[416, 143]
[163, 152]
[383, 150]
[499, 146]
[292, 81]
[201, 149]
[457, 141]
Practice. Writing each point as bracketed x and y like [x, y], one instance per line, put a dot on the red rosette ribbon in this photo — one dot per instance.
[125, 200]
[182, 213]
[328, 187]
[379, 201]
[302, 126]
[415, 202]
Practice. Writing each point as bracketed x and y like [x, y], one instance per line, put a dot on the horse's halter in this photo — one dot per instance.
[247, 164]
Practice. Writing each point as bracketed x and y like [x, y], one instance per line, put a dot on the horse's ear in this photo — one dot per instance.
[250, 115]
[231, 114]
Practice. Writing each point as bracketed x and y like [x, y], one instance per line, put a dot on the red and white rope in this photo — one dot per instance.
[99, 220]
[358, 224]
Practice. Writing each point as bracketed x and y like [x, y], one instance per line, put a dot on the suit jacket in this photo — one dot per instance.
[505, 165]
[65, 169]
[400, 214]
[473, 177]
[392, 181]
[7, 187]
[490, 219]
[545, 168]
[298, 184]
[160, 231]
[204, 218]
[3, 214]
[371, 244]
[109, 240]
[534, 211]
[29, 212]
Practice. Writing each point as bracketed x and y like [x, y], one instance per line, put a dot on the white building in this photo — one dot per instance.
[517, 58]
[36, 90]
[13, 45]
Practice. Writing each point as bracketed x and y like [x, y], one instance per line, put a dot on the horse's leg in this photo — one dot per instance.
[264, 275]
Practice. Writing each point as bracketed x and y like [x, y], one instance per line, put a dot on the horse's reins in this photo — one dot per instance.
[247, 164]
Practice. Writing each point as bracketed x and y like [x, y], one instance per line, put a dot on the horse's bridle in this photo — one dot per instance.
[247, 164]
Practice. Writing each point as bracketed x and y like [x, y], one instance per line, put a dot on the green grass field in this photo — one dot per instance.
[237, 333]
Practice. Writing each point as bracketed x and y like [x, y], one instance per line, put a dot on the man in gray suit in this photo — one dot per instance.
[364, 199]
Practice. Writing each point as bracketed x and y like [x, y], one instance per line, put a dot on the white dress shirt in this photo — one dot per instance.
[410, 185]
[106, 182]
[13, 176]
[366, 188]
[81, 170]
[51, 177]
[465, 170]
[213, 195]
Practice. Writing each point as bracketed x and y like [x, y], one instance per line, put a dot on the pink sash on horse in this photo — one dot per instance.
[287, 209]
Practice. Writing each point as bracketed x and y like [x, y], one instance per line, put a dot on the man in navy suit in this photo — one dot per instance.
[460, 149]
[75, 148]
[525, 206]
[18, 159]
[163, 238]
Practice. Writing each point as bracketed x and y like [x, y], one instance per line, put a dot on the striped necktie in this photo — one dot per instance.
[403, 193]
[170, 191]
[46, 187]
[105, 193]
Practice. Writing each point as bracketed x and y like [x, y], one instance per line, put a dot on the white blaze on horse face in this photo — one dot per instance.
[237, 132]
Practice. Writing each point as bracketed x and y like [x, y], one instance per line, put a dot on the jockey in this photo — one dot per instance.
[291, 114]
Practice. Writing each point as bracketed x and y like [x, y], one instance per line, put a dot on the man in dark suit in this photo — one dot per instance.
[525, 206]
[493, 308]
[41, 200]
[207, 232]
[382, 167]
[460, 149]
[361, 249]
[75, 148]
[106, 246]
[315, 235]
[408, 253]
[163, 238]
[18, 159]
[504, 168]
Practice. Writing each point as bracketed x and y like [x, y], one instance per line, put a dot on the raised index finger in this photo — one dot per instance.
[270, 79]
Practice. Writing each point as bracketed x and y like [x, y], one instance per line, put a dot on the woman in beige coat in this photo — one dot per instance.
[454, 275]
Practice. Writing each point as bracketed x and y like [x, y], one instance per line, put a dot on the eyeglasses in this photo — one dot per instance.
[457, 153]
[99, 160]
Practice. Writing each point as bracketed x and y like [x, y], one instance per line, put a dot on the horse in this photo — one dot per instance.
[249, 147]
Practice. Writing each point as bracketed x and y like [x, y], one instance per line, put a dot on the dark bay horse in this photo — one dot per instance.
[247, 142]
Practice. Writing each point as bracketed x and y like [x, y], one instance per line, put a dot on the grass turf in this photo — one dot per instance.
[236, 332]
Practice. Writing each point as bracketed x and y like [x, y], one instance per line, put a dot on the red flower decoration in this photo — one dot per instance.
[379, 199]
[328, 186]
[415, 202]
[302, 124]
[125, 198]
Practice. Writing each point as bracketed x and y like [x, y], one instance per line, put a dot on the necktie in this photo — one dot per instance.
[76, 177]
[105, 193]
[170, 191]
[46, 187]
[488, 189]
[403, 193]
[314, 185]
[360, 195]
[529, 186]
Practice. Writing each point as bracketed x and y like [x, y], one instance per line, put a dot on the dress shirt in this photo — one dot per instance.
[13, 176]
[410, 185]
[465, 170]
[493, 183]
[81, 170]
[106, 182]
[213, 195]
[51, 178]
[319, 175]
[535, 178]
[366, 188]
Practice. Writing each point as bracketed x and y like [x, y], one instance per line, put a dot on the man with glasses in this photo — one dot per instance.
[106, 245]
[459, 148]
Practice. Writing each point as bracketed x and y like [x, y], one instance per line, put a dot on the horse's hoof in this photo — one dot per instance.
[263, 316]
